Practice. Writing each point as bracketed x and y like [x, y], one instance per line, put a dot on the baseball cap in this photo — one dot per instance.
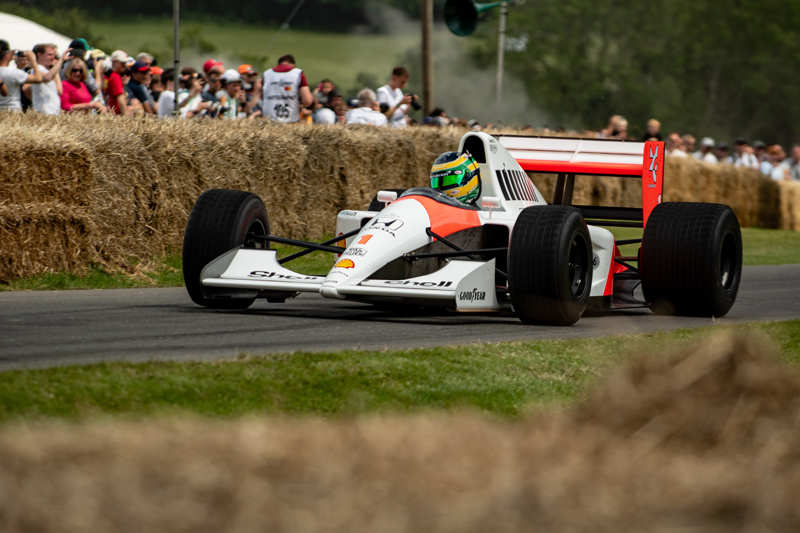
[157, 71]
[80, 43]
[120, 56]
[707, 141]
[759, 144]
[231, 76]
[741, 141]
[721, 145]
[247, 70]
[211, 63]
[140, 66]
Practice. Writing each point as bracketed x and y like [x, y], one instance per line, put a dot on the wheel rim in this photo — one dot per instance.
[256, 228]
[578, 267]
[728, 262]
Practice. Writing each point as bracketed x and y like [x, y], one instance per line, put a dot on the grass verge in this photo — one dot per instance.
[506, 380]
[163, 272]
[761, 247]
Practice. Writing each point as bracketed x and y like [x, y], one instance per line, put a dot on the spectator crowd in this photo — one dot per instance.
[771, 159]
[87, 80]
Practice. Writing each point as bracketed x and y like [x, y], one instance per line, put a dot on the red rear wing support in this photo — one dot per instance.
[598, 157]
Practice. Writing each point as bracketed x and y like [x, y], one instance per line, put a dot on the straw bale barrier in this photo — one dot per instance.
[702, 441]
[77, 190]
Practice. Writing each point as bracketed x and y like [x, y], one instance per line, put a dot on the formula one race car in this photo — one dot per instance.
[509, 251]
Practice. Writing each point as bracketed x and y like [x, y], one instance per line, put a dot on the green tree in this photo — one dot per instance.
[724, 68]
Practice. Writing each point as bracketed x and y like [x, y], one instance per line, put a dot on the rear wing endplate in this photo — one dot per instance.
[569, 157]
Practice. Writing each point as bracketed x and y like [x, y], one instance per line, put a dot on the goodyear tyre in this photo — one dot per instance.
[691, 259]
[221, 220]
[550, 265]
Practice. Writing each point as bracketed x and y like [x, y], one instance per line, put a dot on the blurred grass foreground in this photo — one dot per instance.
[704, 440]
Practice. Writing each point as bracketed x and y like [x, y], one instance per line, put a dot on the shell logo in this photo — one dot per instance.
[287, 88]
[345, 263]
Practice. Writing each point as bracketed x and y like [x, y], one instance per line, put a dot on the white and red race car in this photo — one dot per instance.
[511, 252]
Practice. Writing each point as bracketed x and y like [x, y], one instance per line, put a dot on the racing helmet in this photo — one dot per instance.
[457, 175]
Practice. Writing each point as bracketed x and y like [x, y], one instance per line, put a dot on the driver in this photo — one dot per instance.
[457, 175]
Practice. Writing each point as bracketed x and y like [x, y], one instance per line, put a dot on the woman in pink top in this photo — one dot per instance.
[76, 96]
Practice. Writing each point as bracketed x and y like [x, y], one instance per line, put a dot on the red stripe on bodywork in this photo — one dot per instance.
[446, 219]
[603, 169]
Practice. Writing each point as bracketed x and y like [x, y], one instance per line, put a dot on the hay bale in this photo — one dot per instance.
[138, 179]
[789, 194]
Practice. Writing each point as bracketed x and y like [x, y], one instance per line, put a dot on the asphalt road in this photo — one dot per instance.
[66, 327]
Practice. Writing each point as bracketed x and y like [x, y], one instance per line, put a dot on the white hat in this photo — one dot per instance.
[232, 75]
[708, 142]
[120, 56]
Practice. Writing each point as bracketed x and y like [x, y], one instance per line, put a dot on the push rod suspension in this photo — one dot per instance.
[457, 248]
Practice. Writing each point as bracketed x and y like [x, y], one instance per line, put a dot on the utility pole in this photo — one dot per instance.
[176, 21]
[501, 46]
[426, 12]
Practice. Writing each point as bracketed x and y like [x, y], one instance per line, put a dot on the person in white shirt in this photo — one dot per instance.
[743, 155]
[394, 104]
[675, 146]
[775, 167]
[706, 152]
[721, 152]
[368, 110]
[47, 95]
[166, 101]
[12, 79]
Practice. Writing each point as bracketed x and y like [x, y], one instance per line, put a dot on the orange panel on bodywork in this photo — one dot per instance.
[446, 219]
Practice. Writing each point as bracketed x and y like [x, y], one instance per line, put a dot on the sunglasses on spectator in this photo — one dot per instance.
[77, 70]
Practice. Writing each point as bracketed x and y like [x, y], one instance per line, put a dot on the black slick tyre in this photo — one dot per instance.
[550, 265]
[691, 259]
[220, 221]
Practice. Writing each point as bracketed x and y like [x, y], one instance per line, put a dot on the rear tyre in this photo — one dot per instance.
[691, 259]
[221, 220]
[550, 265]
[375, 205]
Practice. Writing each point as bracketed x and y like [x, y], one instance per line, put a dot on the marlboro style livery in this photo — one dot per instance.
[507, 250]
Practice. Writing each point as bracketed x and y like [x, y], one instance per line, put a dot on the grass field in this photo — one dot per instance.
[340, 57]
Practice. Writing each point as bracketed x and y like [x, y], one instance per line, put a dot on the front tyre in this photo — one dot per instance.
[220, 220]
[550, 265]
[691, 259]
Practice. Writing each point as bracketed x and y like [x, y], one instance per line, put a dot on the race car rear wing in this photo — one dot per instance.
[569, 157]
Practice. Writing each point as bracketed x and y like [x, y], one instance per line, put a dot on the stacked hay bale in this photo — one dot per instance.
[78, 190]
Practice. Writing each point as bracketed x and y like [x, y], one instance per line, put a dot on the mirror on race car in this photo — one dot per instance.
[490, 202]
[387, 197]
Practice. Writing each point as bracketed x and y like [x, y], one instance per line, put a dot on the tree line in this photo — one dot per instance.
[723, 68]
